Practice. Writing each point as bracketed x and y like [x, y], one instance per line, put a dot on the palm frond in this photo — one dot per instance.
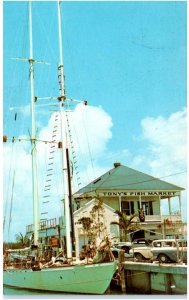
[116, 223]
[126, 223]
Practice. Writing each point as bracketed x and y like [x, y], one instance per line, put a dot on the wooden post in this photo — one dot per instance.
[121, 271]
[180, 211]
[170, 212]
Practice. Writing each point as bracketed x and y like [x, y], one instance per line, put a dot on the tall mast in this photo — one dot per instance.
[33, 134]
[64, 138]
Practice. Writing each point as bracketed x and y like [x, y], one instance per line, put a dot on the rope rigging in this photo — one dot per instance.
[75, 163]
[89, 149]
[79, 86]
[11, 205]
[50, 168]
[11, 181]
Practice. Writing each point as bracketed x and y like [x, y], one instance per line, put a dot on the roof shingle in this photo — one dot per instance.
[125, 178]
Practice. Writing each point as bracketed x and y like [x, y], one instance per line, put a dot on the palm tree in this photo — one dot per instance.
[126, 224]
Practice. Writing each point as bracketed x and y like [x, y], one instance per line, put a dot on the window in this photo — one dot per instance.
[147, 207]
[182, 243]
[169, 244]
[157, 244]
[127, 207]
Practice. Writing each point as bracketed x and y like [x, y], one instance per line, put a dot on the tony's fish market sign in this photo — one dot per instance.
[134, 193]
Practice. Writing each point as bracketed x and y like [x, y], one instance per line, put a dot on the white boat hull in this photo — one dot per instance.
[80, 279]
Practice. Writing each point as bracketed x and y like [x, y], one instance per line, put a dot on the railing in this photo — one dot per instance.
[149, 218]
[171, 218]
[153, 218]
[47, 224]
[160, 219]
[42, 225]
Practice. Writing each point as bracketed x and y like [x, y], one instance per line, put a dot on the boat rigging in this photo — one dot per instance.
[67, 274]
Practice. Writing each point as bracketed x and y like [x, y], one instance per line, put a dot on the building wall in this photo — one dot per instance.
[115, 202]
[112, 202]
[153, 227]
[112, 231]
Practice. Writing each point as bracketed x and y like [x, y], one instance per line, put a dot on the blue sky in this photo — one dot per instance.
[128, 59]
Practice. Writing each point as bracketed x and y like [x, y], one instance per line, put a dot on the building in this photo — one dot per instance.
[129, 191]
[51, 236]
[123, 189]
[99, 217]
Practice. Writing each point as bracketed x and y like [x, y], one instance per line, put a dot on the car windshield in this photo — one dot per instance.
[182, 243]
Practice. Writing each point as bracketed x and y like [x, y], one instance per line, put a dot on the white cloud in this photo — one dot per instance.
[163, 153]
[166, 151]
[92, 129]
[25, 110]
[166, 140]
[17, 186]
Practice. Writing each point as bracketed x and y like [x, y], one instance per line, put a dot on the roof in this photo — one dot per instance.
[125, 178]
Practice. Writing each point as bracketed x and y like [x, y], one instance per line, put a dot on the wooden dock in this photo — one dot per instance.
[155, 278]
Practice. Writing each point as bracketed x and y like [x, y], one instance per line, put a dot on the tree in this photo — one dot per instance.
[94, 225]
[86, 224]
[22, 240]
[97, 214]
[126, 224]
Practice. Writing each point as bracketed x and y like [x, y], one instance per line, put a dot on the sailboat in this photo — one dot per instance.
[89, 278]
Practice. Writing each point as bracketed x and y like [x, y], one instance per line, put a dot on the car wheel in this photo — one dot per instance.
[163, 258]
[139, 257]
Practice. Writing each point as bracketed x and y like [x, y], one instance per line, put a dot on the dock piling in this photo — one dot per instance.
[122, 271]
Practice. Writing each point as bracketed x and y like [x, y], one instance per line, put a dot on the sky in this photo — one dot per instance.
[128, 60]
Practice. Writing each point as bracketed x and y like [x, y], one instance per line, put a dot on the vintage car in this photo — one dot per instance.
[141, 249]
[126, 246]
[169, 250]
[142, 253]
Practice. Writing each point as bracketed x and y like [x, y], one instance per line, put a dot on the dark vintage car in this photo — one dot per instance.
[125, 246]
